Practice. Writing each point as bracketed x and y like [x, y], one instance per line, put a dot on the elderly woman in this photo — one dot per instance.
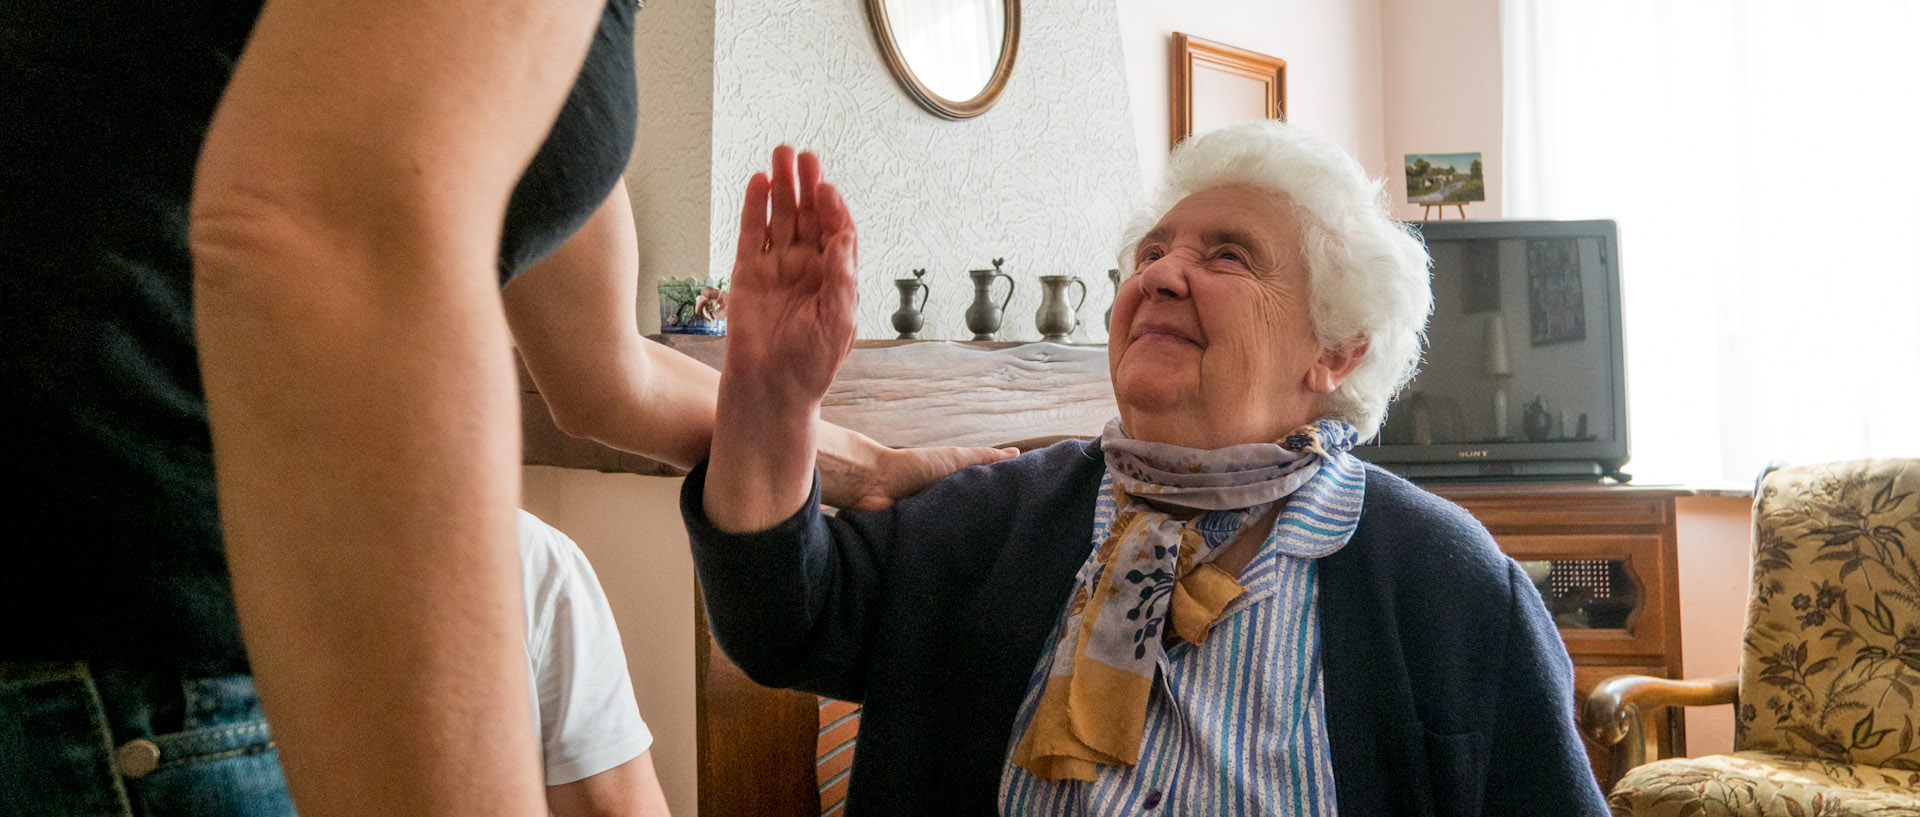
[1214, 608]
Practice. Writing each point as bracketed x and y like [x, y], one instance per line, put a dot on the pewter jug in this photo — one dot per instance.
[983, 317]
[1055, 320]
[908, 319]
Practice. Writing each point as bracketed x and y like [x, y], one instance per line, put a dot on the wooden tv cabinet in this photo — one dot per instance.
[1614, 583]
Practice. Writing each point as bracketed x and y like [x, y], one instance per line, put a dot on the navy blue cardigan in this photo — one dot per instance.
[1448, 690]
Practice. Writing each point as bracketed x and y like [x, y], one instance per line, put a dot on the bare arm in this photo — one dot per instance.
[573, 317]
[346, 216]
[630, 789]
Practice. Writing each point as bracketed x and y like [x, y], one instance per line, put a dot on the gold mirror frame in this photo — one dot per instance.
[1192, 53]
[935, 103]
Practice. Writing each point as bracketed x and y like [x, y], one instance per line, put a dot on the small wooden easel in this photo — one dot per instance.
[1427, 214]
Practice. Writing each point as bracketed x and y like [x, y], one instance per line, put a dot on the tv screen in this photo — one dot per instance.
[1523, 377]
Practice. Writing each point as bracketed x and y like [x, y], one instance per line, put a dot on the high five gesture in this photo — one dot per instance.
[791, 322]
[791, 313]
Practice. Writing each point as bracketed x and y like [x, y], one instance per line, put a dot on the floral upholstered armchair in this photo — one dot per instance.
[1830, 666]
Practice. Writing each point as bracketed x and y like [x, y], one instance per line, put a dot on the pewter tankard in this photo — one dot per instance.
[1056, 320]
[983, 317]
[908, 319]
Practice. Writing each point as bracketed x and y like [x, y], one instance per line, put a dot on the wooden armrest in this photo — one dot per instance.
[1605, 714]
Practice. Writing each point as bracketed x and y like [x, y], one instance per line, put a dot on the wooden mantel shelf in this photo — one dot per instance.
[902, 393]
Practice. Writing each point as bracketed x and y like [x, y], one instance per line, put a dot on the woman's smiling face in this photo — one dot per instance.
[1212, 342]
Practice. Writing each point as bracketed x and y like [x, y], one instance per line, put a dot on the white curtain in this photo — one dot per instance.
[1763, 160]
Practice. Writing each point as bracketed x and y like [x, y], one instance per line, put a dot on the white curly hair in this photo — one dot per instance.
[1367, 274]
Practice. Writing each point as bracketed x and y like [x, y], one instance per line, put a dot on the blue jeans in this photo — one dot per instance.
[117, 741]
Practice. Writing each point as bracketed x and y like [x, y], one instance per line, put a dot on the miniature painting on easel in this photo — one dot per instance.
[1442, 180]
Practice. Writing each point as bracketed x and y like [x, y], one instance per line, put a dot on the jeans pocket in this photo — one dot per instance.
[228, 770]
[1457, 771]
[55, 749]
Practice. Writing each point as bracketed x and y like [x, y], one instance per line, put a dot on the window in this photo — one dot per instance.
[1760, 159]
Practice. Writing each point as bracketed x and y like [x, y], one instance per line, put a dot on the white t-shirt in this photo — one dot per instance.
[582, 698]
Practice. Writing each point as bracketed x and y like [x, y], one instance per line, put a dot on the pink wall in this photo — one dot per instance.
[629, 527]
[1715, 557]
[1441, 88]
[1332, 49]
[1382, 77]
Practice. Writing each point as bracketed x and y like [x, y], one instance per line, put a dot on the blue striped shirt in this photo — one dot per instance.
[1236, 725]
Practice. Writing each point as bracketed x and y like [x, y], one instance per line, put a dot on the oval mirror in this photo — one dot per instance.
[952, 56]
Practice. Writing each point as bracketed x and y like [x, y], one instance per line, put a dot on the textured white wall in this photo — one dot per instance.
[1044, 179]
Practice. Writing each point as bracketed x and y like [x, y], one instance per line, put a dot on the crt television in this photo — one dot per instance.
[1523, 378]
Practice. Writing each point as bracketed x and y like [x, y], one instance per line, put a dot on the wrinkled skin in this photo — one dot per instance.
[1213, 341]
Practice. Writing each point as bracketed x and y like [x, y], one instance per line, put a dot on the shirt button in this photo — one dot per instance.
[1153, 799]
[136, 758]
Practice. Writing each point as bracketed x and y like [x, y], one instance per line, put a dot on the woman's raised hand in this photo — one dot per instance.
[790, 323]
[791, 313]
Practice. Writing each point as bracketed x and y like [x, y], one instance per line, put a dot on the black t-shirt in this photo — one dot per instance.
[111, 546]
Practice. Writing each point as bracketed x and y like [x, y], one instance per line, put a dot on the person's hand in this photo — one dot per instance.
[791, 323]
[872, 480]
[791, 312]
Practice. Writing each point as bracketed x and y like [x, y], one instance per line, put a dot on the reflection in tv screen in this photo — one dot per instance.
[1518, 346]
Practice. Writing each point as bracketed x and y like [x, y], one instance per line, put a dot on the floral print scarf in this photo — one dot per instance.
[1177, 509]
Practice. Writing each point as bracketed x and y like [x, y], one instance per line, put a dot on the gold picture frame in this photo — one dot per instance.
[1215, 83]
[929, 99]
